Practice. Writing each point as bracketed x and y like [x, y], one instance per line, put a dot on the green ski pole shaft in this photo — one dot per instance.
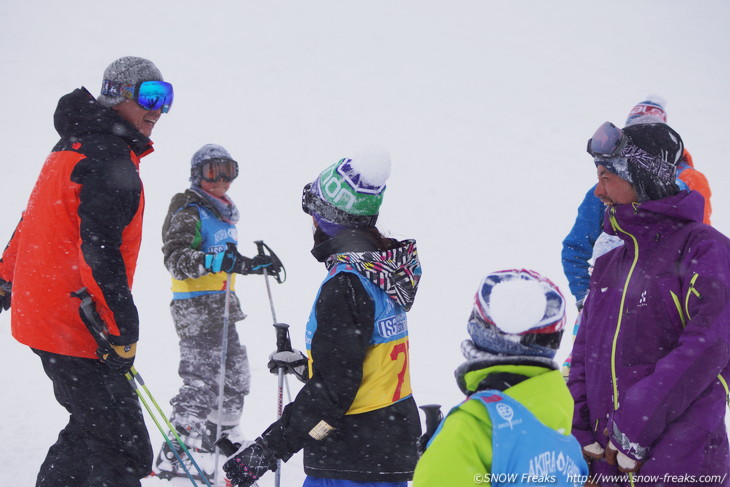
[138, 378]
[132, 383]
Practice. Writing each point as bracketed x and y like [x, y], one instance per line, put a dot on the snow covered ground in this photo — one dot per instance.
[485, 106]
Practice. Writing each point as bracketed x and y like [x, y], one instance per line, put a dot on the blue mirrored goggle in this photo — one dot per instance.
[607, 141]
[150, 95]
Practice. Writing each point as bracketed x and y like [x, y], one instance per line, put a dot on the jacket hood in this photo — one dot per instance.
[78, 114]
[396, 271]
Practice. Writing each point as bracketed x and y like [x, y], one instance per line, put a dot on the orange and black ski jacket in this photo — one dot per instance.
[82, 227]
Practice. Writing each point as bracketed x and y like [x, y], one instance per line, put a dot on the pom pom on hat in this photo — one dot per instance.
[517, 312]
[128, 70]
[650, 110]
[349, 193]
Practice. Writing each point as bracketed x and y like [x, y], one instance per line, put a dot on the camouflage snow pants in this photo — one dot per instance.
[199, 325]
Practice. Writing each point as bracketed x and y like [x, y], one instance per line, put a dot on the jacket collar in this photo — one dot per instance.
[350, 240]
[478, 375]
[79, 114]
[655, 217]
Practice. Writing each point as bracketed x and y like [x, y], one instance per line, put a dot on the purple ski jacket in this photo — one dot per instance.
[650, 362]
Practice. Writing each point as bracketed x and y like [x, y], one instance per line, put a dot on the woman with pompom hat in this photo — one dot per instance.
[355, 417]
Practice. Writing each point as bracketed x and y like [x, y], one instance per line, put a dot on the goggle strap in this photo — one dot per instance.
[650, 163]
[111, 88]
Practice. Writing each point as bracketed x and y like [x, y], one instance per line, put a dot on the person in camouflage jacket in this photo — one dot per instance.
[199, 237]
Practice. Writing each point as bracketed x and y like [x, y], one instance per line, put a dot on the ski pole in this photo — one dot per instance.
[283, 343]
[226, 445]
[277, 275]
[260, 246]
[433, 417]
[282, 340]
[133, 384]
[135, 375]
[222, 374]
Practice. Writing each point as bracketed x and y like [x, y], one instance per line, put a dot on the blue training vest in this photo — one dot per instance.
[215, 234]
[386, 368]
[525, 452]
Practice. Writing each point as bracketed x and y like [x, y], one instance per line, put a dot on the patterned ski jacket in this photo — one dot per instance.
[650, 361]
[462, 452]
[81, 228]
[578, 244]
[356, 418]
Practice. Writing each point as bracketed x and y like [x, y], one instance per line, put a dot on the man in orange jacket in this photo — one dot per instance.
[82, 229]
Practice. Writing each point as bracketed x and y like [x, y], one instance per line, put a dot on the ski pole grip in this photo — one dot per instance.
[260, 246]
[90, 317]
[433, 417]
[225, 445]
[283, 343]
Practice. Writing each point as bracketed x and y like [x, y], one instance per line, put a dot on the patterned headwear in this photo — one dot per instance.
[517, 312]
[348, 194]
[128, 70]
[650, 110]
[649, 160]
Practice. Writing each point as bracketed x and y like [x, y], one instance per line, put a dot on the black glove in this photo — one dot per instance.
[118, 357]
[250, 463]
[5, 294]
[291, 362]
[258, 263]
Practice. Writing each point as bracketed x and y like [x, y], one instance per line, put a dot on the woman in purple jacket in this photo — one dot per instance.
[650, 361]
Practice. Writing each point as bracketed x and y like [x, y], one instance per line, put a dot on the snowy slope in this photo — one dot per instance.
[485, 107]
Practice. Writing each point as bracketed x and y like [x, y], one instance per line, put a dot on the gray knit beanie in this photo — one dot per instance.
[128, 70]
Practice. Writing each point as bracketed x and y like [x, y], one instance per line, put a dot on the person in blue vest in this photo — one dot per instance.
[355, 417]
[199, 238]
[514, 426]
